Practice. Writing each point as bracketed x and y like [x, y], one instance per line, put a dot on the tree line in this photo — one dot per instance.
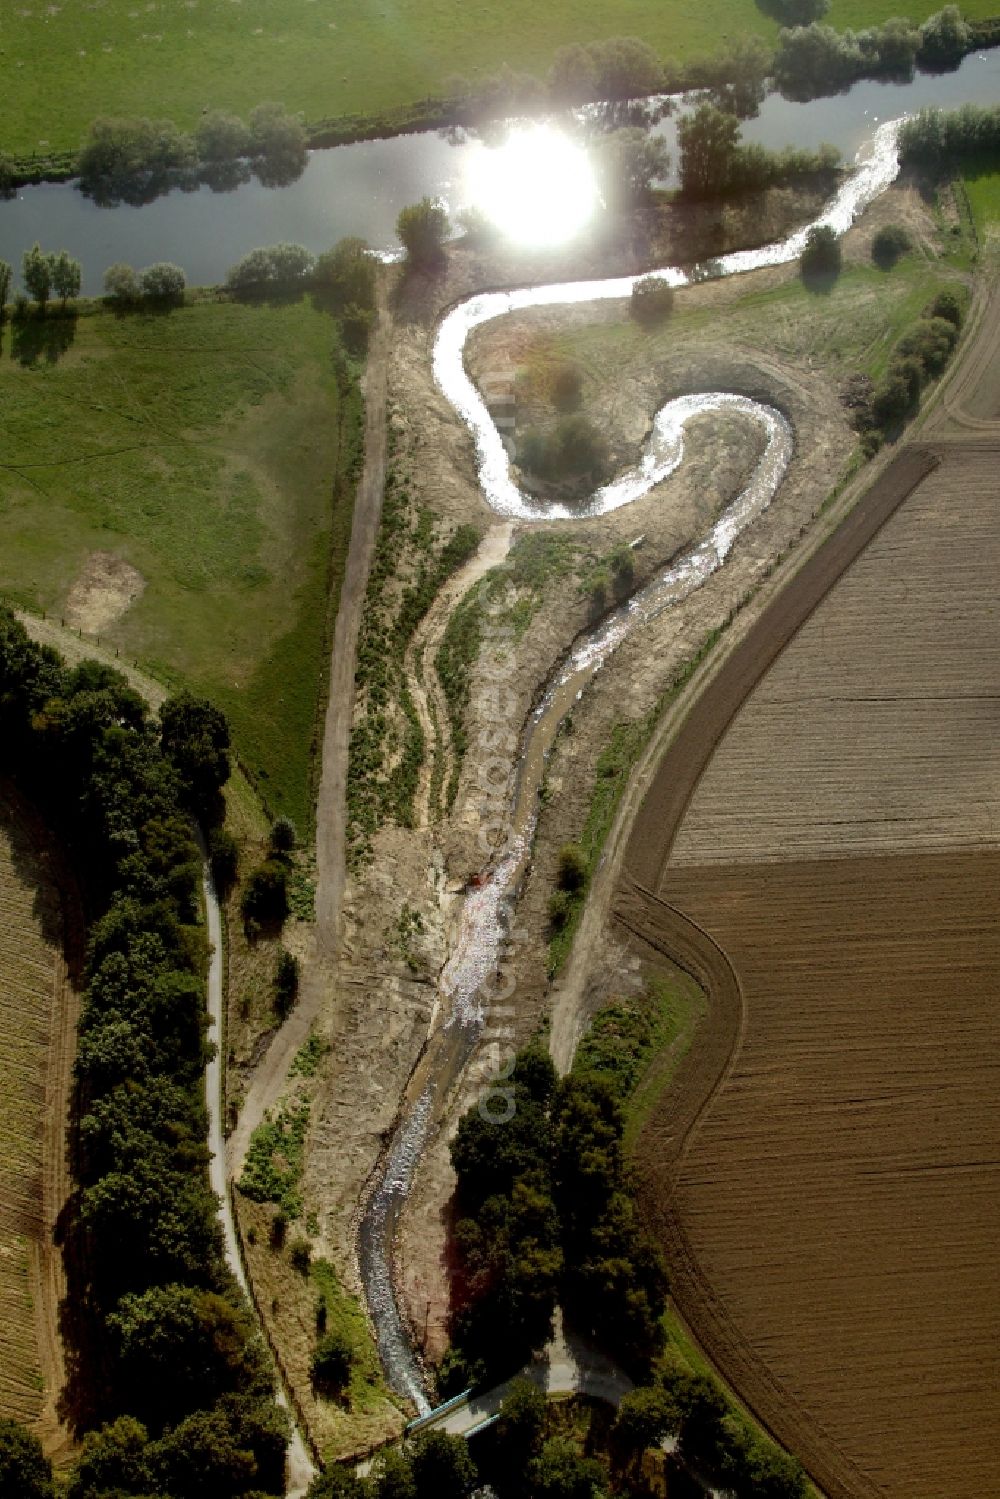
[343, 279]
[134, 159]
[170, 1379]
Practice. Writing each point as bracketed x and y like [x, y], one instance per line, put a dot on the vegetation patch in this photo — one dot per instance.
[411, 563]
[983, 191]
[273, 1168]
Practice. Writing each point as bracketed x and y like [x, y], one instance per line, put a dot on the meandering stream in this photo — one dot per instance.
[481, 927]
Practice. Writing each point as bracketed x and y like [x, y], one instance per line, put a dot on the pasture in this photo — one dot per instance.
[168, 483]
[65, 64]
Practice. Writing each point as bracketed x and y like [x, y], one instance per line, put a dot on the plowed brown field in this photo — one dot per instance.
[37, 1029]
[826, 1171]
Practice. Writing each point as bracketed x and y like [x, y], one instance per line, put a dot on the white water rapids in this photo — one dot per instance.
[482, 923]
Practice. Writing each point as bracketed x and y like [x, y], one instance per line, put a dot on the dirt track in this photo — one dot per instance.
[318, 977]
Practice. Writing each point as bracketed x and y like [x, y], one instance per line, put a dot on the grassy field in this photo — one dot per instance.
[984, 200]
[200, 449]
[855, 325]
[65, 64]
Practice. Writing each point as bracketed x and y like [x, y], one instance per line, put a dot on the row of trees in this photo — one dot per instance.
[183, 1400]
[44, 273]
[814, 59]
[544, 1214]
[133, 160]
[919, 357]
[626, 68]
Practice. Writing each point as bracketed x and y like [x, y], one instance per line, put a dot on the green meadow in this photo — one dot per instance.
[66, 62]
[201, 447]
[984, 200]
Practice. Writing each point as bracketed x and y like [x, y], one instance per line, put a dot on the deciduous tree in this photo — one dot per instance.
[36, 268]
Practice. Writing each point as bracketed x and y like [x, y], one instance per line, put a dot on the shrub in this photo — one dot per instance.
[891, 400]
[822, 255]
[223, 855]
[277, 267]
[286, 982]
[284, 835]
[946, 305]
[126, 151]
[814, 60]
[422, 229]
[652, 300]
[25, 1471]
[910, 370]
[889, 244]
[222, 137]
[331, 1363]
[931, 341]
[572, 867]
[300, 1254]
[163, 282]
[121, 283]
[566, 386]
[943, 138]
[346, 275]
[560, 908]
[265, 898]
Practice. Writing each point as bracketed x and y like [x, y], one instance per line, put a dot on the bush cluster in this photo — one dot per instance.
[159, 283]
[919, 357]
[44, 274]
[184, 1380]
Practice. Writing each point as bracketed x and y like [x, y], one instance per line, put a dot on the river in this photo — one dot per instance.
[464, 983]
[359, 189]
